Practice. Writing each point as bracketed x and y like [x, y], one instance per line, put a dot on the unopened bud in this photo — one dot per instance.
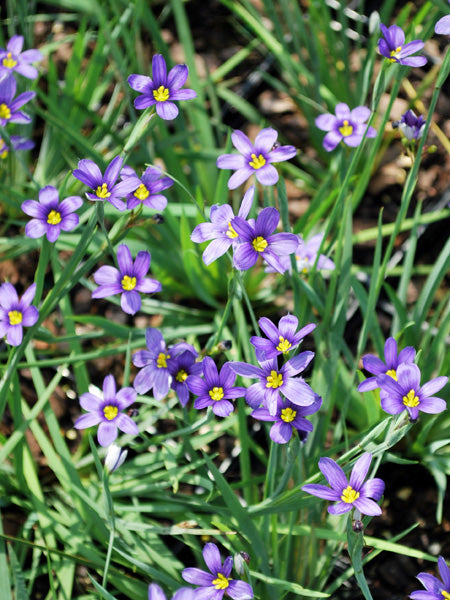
[115, 457]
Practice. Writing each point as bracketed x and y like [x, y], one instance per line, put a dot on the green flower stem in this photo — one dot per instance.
[140, 129]
[240, 279]
[112, 525]
[355, 546]
[101, 222]
[39, 277]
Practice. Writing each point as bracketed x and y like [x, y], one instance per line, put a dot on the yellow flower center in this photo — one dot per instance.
[221, 583]
[110, 412]
[53, 217]
[9, 62]
[15, 317]
[161, 94]
[142, 192]
[260, 244]
[102, 191]
[5, 112]
[288, 415]
[346, 129]
[411, 399]
[231, 233]
[274, 380]
[394, 54]
[3, 153]
[349, 495]
[161, 361]
[445, 594]
[392, 373]
[257, 161]
[181, 375]
[128, 283]
[284, 345]
[217, 394]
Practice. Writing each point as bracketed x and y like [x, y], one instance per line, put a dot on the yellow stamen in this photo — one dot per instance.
[5, 112]
[394, 54]
[15, 317]
[102, 192]
[3, 154]
[216, 394]
[9, 62]
[346, 129]
[128, 283]
[110, 412]
[445, 594]
[53, 217]
[288, 415]
[221, 583]
[284, 345]
[181, 376]
[161, 94]
[274, 380]
[411, 399]
[257, 161]
[161, 361]
[349, 495]
[231, 233]
[260, 244]
[142, 192]
[392, 373]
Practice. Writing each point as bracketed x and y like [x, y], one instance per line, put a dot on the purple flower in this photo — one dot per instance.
[50, 216]
[376, 366]
[255, 158]
[17, 143]
[106, 412]
[163, 89]
[128, 279]
[306, 256]
[436, 589]
[282, 339]
[273, 381]
[16, 314]
[258, 239]
[9, 106]
[147, 188]
[411, 126]
[156, 593]
[104, 186]
[220, 229]
[443, 25]
[153, 363]
[405, 392]
[288, 418]
[13, 59]
[347, 125]
[214, 585]
[348, 494]
[180, 368]
[216, 389]
[393, 47]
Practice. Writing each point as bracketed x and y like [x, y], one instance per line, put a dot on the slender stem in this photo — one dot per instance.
[112, 524]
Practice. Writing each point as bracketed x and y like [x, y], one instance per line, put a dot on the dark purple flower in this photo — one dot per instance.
[163, 89]
[13, 59]
[411, 126]
[258, 239]
[436, 589]
[288, 418]
[147, 188]
[17, 143]
[405, 392]
[282, 339]
[213, 586]
[255, 158]
[216, 389]
[180, 368]
[349, 494]
[104, 186]
[376, 366]
[346, 125]
[274, 380]
[50, 216]
[393, 47]
[9, 106]
[16, 314]
[106, 412]
[153, 363]
[156, 593]
[129, 279]
[220, 229]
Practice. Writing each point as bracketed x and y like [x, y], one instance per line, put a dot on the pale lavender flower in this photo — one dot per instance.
[17, 143]
[349, 494]
[393, 47]
[346, 125]
[377, 367]
[443, 25]
[220, 230]
[306, 256]
[104, 186]
[106, 412]
[156, 593]
[9, 105]
[257, 239]
[217, 583]
[163, 90]
[16, 314]
[13, 59]
[435, 588]
[255, 158]
[180, 368]
[411, 126]
[128, 280]
[148, 188]
[282, 339]
[50, 215]
[406, 393]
